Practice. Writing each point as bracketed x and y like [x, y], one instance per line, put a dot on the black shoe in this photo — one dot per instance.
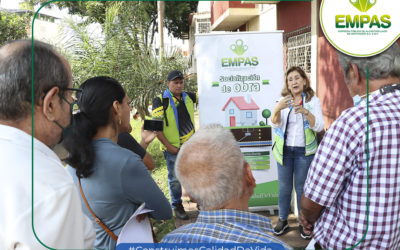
[303, 234]
[180, 212]
[281, 227]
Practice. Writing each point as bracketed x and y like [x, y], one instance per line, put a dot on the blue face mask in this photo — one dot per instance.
[357, 100]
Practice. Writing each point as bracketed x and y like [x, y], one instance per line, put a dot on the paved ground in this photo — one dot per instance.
[292, 237]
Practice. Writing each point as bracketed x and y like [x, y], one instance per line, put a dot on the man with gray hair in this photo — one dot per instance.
[211, 168]
[352, 192]
[39, 204]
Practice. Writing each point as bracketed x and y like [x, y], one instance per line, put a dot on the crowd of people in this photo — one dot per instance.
[347, 185]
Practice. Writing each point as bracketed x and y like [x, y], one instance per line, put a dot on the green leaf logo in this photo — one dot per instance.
[239, 48]
[363, 5]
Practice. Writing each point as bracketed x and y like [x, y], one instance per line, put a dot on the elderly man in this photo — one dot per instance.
[39, 204]
[352, 192]
[212, 170]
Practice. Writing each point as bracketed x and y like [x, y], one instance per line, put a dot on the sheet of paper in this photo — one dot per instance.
[137, 232]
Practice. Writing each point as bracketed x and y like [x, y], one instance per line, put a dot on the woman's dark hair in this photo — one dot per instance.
[307, 89]
[95, 102]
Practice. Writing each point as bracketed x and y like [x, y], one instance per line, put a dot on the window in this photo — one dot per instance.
[231, 111]
[203, 25]
[299, 51]
[249, 114]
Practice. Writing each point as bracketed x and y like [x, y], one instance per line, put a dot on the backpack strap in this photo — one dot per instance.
[192, 96]
[165, 103]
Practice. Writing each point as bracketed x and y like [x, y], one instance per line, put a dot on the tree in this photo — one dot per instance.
[177, 17]
[13, 26]
[266, 113]
[176, 12]
[121, 51]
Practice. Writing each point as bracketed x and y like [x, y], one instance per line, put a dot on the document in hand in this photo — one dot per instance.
[137, 232]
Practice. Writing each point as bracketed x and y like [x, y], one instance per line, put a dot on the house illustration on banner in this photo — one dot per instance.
[240, 111]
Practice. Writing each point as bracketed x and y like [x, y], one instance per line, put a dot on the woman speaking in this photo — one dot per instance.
[295, 120]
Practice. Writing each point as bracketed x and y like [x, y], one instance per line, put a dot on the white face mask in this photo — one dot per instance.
[357, 100]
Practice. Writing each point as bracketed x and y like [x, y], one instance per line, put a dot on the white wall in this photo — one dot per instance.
[247, 121]
[46, 31]
[268, 18]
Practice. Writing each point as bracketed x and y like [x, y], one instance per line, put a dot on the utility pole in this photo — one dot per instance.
[161, 10]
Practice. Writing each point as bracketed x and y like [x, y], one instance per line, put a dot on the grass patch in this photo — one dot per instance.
[160, 176]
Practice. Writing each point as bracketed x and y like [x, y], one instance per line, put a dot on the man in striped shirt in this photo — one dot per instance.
[211, 168]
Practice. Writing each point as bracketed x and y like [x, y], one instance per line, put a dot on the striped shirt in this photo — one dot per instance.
[337, 178]
[225, 226]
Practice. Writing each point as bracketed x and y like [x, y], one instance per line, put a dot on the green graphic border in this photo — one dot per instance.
[347, 52]
[32, 110]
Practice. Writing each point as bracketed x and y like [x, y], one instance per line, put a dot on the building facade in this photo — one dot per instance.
[304, 43]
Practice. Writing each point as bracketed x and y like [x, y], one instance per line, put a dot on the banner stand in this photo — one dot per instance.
[240, 78]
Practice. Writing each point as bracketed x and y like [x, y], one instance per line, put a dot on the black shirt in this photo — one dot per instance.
[127, 141]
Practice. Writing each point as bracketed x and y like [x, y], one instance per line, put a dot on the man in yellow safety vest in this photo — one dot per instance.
[176, 108]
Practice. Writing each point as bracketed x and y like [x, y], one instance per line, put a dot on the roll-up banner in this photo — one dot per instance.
[240, 77]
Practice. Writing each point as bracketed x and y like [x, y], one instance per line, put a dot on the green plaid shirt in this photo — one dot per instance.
[225, 226]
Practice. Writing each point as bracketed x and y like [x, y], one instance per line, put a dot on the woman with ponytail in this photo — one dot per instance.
[114, 180]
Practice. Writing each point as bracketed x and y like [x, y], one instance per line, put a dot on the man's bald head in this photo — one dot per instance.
[210, 166]
[50, 69]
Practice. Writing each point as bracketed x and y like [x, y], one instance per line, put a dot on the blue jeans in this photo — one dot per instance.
[294, 162]
[175, 189]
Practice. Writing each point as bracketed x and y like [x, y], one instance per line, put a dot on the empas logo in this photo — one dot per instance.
[239, 48]
[360, 27]
[358, 21]
[363, 5]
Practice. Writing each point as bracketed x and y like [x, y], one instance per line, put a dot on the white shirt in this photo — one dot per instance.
[295, 129]
[58, 218]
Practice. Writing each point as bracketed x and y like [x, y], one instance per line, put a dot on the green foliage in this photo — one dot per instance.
[27, 5]
[176, 12]
[13, 26]
[163, 227]
[177, 16]
[261, 123]
[122, 51]
[160, 173]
